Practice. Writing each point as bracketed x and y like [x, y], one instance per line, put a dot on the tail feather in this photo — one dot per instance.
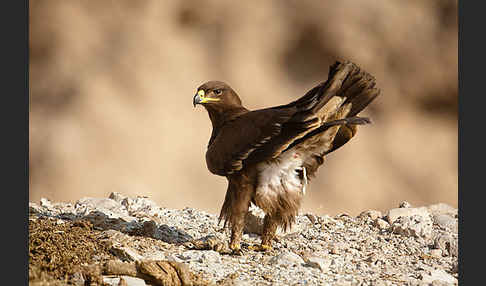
[342, 97]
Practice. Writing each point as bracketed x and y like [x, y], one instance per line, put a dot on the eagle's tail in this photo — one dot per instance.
[337, 102]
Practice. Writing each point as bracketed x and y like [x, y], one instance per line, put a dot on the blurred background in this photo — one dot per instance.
[112, 82]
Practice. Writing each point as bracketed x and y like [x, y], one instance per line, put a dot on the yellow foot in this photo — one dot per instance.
[261, 247]
[235, 248]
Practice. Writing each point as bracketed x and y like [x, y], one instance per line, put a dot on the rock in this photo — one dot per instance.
[78, 279]
[102, 204]
[125, 253]
[254, 220]
[445, 221]
[106, 219]
[437, 253]
[404, 204]
[330, 250]
[373, 214]
[141, 206]
[168, 273]
[208, 256]
[441, 208]
[123, 280]
[286, 258]
[447, 244]
[381, 224]
[209, 242]
[394, 214]
[318, 262]
[413, 226]
[336, 248]
[312, 218]
[438, 274]
[117, 197]
[45, 203]
[116, 267]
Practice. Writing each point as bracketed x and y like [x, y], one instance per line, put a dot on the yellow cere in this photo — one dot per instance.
[204, 99]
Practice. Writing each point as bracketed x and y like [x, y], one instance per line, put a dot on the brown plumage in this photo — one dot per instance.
[269, 155]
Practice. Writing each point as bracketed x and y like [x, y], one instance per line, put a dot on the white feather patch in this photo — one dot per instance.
[281, 175]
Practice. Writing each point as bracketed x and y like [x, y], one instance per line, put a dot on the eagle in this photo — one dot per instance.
[269, 155]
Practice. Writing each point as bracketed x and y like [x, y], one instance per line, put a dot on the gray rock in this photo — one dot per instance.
[447, 244]
[129, 281]
[445, 221]
[437, 253]
[254, 220]
[125, 253]
[394, 214]
[336, 248]
[440, 275]
[404, 204]
[117, 197]
[441, 208]
[318, 262]
[413, 226]
[141, 206]
[206, 256]
[381, 224]
[373, 214]
[78, 279]
[102, 204]
[286, 258]
[45, 203]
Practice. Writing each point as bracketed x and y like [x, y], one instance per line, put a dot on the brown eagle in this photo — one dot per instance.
[269, 155]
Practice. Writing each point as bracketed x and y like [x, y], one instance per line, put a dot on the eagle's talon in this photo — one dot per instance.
[236, 249]
[260, 248]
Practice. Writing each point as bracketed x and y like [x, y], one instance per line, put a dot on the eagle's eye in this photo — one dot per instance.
[218, 91]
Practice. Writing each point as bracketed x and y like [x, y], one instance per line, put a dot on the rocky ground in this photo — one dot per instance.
[131, 241]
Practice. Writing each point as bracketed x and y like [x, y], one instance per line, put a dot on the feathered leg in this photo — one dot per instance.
[270, 224]
[235, 207]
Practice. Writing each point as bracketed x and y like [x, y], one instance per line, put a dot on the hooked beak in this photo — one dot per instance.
[200, 98]
[196, 99]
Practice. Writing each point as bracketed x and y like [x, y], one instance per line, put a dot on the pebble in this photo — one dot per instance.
[394, 214]
[381, 224]
[127, 280]
[437, 253]
[373, 214]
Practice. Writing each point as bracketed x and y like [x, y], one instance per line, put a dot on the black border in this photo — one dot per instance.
[471, 94]
[15, 119]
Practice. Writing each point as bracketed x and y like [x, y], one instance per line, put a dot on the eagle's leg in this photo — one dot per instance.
[238, 223]
[269, 230]
[235, 208]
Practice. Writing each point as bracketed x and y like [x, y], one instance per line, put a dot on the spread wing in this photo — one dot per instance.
[264, 134]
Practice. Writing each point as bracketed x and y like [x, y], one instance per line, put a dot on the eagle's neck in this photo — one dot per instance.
[221, 115]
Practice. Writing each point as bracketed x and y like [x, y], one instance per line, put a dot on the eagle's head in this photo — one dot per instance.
[216, 94]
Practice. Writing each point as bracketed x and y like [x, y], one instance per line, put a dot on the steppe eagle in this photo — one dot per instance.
[269, 155]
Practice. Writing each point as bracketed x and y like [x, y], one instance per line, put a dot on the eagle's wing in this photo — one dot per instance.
[264, 134]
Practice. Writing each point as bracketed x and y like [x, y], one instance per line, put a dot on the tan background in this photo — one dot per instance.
[111, 87]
